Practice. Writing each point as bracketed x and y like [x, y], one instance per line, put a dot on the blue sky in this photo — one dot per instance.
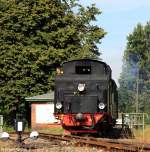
[118, 18]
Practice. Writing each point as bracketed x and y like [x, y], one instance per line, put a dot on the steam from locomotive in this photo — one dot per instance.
[85, 96]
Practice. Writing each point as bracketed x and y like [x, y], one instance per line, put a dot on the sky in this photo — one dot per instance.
[118, 19]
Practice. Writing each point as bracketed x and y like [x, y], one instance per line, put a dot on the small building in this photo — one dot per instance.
[42, 109]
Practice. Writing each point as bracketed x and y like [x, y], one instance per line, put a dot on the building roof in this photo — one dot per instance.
[44, 97]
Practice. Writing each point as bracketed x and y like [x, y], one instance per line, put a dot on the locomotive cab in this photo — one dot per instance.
[85, 96]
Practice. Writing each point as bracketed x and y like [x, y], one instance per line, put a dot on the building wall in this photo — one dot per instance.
[42, 115]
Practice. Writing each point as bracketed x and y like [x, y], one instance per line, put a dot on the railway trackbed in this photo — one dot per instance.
[109, 145]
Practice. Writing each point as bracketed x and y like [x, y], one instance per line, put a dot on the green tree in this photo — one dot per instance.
[36, 37]
[136, 71]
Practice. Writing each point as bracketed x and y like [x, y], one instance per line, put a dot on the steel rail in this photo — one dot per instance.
[108, 144]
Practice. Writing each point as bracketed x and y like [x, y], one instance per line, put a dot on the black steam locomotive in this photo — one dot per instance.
[85, 96]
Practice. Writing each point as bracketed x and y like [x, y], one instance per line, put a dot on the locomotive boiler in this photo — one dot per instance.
[85, 96]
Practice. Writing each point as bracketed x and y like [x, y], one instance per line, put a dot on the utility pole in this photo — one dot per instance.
[137, 91]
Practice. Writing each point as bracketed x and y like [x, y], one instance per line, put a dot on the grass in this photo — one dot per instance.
[11, 129]
[53, 130]
[142, 136]
[8, 129]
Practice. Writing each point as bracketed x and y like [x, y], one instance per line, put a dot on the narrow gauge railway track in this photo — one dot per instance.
[111, 145]
[108, 144]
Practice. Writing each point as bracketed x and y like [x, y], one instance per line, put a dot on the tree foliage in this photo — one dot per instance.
[136, 71]
[36, 36]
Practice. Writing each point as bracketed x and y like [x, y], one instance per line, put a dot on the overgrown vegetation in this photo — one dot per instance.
[142, 135]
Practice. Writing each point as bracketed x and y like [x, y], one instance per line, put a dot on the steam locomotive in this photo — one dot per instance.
[85, 98]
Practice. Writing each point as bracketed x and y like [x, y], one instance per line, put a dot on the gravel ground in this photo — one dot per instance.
[41, 145]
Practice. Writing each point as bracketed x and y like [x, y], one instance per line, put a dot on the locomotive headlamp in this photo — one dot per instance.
[81, 87]
[58, 105]
[101, 105]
